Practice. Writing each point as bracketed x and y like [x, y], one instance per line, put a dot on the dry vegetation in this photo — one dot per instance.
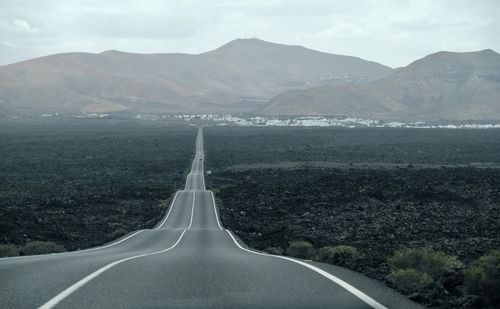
[86, 183]
[416, 228]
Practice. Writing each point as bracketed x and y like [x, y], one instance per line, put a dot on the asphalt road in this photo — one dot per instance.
[188, 261]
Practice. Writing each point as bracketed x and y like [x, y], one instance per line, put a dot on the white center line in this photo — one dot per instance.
[73, 288]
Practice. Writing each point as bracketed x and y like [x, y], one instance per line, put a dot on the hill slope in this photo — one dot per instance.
[235, 77]
[443, 85]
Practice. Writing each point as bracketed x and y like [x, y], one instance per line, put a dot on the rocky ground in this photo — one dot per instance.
[378, 190]
[453, 210]
[84, 183]
[376, 209]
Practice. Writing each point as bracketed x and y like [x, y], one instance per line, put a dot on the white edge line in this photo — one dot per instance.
[367, 299]
[203, 173]
[169, 210]
[70, 290]
[106, 246]
[111, 244]
[90, 249]
[71, 252]
[187, 178]
[215, 210]
[192, 210]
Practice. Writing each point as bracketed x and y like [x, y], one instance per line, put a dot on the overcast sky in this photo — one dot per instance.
[392, 32]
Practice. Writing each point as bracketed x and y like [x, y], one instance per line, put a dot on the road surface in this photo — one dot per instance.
[187, 261]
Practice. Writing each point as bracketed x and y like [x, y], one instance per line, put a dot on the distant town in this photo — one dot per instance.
[289, 121]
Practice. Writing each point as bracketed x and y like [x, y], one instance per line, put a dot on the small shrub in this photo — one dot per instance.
[8, 250]
[409, 280]
[164, 204]
[482, 278]
[301, 249]
[117, 233]
[434, 263]
[274, 250]
[41, 247]
[342, 255]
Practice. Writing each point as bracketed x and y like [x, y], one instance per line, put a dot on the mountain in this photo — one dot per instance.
[242, 75]
[444, 85]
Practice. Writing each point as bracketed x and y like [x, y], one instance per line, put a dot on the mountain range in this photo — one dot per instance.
[251, 75]
[443, 85]
[242, 75]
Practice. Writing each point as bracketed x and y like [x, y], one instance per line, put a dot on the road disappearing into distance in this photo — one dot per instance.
[187, 261]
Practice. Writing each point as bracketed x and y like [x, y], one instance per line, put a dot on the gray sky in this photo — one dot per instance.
[392, 32]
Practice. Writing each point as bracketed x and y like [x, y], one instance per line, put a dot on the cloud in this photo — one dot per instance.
[16, 26]
[393, 32]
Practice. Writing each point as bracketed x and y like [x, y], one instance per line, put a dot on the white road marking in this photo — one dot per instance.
[73, 288]
[215, 210]
[107, 246]
[203, 174]
[61, 296]
[113, 243]
[195, 182]
[367, 299]
[202, 164]
[187, 181]
[96, 248]
[169, 210]
[192, 210]
[73, 252]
